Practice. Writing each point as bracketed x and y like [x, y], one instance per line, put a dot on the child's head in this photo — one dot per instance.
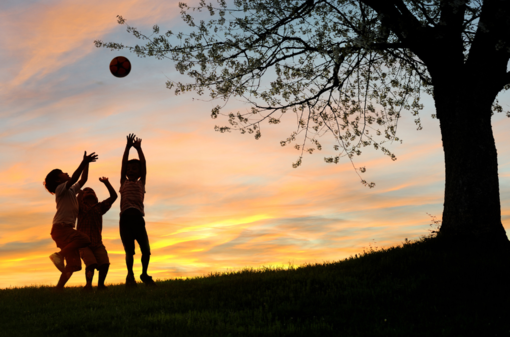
[55, 178]
[87, 196]
[133, 169]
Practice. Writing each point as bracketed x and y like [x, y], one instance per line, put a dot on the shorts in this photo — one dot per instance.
[69, 240]
[95, 254]
[132, 227]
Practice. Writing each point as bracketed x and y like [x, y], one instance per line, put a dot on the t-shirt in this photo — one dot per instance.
[90, 220]
[131, 195]
[67, 204]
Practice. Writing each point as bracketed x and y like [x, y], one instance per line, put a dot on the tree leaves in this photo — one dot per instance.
[335, 67]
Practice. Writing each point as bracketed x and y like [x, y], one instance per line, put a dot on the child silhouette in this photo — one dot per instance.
[132, 223]
[90, 223]
[63, 233]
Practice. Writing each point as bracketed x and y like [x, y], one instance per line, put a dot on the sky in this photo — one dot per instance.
[215, 202]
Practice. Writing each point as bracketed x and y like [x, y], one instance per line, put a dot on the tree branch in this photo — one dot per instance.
[420, 5]
[452, 15]
[385, 45]
[490, 45]
[395, 15]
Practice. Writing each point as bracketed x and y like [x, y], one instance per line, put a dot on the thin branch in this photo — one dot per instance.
[424, 11]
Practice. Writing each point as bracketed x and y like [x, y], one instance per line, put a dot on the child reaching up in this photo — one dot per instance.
[90, 223]
[132, 223]
[63, 233]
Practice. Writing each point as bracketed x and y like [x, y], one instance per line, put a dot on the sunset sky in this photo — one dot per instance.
[214, 202]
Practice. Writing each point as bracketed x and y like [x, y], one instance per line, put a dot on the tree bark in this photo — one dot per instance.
[471, 201]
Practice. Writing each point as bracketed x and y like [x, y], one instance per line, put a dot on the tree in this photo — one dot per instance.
[349, 68]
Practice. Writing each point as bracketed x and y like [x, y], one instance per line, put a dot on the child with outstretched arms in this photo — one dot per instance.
[132, 223]
[68, 239]
[90, 223]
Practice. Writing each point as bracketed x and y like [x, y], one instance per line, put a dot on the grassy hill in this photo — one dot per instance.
[426, 288]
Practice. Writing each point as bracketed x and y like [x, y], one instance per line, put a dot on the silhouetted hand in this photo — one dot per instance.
[104, 180]
[137, 143]
[90, 158]
[130, 139]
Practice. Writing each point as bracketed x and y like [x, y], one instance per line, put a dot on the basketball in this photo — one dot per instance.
[120, 66]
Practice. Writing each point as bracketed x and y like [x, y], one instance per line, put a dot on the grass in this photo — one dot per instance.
[427, 288]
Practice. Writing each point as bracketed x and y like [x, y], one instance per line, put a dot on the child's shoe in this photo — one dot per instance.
[58, 261]
[130, 281]
[147, 280]
[102, 287]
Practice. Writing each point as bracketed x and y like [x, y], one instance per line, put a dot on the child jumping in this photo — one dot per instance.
[90, 223]
[63, 233]
[132, 223]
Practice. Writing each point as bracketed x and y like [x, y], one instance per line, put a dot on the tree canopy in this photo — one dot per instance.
[347, 68]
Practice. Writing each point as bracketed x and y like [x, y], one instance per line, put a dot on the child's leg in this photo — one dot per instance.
[71, 252]
[103, 271]
[146, 254]
[104, 264]
[87, 255]
[130, 278]
[73, 263]
[129, 264]
[143, 241]
[89, 274]
[64, 277]
[69, 240]
[128, 240]
[145, 263]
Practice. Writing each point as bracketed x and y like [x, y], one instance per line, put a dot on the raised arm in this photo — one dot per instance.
[113, 194]
[138, 146]
[84, 165]
[84, 175]
[125, 157]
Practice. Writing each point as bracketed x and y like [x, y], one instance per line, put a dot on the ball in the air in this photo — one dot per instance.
[120, 66]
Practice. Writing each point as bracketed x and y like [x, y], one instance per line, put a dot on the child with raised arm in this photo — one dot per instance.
[63, 233]
[132, 223]
[90, 223]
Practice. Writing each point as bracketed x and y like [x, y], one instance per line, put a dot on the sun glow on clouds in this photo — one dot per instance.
[214, 202]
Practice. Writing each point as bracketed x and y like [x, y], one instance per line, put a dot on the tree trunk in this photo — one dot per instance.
[471, 203]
